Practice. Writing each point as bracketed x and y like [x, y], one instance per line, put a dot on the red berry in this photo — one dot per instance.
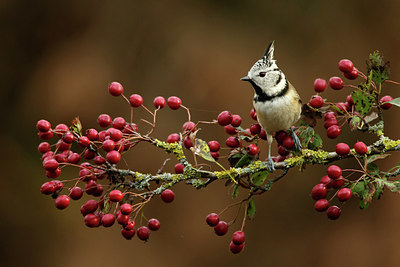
[232, 142]
[159, 102]
[136, 100]
[76, 193]
[108, 220]
[236, 120]
[90, 187]
[343, 107]
[53, 174]
[214, 146]
[179, 168]
[329, 115]
[349, 100]
[283, 151]
[360, 148]
[189, 126]
[113, 157]
[384, 99]
[212, 219]
[336, 184]
[115, 196]
[89, 206]
[321, 205]
[336, 83]
[288, 142]
[316, 101]
[44, 147]
[108, 145]
[74, 158]
[333, 212]
[235, 249]
[173, 138]
[224, 118]
[115, 89]
[62, 202]
[154, 224]
[334, 172]
[319, 85]
[280, 136]
[126, 209]
[92, 220]
[119, 123]
[238, 237]
[104, 120]
[221, 228]
[342, 149]
[130, 225]
[333, 131]
[92, 134]
[252, 149]
[229, 129]
[167, 196]
[174, 102]
[57, 185]
[99, 160]
[345, 65]
[263, 134]
[83, 141]
[329, 122]
[344, 194]
[253, 114]
[115, 134]
[89, 154]
[46, 135]
[61, 129]
[215, 155]
[128, 234]
[187, 142]
[325, 180]
[122, 219]
[50, 164]
[351, 75]
[43, 126]
[47, 188]
[255, 129]
[143, 233]
[319, 191]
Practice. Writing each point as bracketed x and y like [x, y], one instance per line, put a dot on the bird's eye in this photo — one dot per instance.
[261, 74]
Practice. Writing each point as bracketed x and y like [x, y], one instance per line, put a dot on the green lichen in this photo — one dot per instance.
[174, 148]
[390, 144]
[232, 172]
[308, 156]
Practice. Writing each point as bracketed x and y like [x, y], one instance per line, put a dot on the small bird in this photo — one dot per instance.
[276, 101]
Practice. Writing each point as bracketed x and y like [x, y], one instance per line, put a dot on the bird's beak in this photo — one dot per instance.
[246, 78]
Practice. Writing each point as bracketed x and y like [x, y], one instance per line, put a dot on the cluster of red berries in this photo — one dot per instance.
[334, 180]
[342, 108]
[285, 146]
[221, 228]
[98, 150]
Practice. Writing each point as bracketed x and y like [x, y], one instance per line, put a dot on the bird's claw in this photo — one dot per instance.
[296, 140]
[270, 165]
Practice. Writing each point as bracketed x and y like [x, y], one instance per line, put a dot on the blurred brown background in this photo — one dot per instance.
[57, 58]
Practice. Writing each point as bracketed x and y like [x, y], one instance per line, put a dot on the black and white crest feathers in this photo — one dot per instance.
[268, 56]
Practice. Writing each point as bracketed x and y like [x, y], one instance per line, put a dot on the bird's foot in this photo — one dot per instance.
[296, 140]
[270, 165]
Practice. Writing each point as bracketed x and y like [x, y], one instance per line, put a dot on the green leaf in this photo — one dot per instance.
[359, 189]
[244, 160]
[378, 190]
[362, 101]
[373, 169]
[235, 192]
[76, 126]
[316, 142]
[363, 190]
[378, 68]
[203, 150]
[251, 209]
[258, 178]
[395, 102]
[376, 157]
